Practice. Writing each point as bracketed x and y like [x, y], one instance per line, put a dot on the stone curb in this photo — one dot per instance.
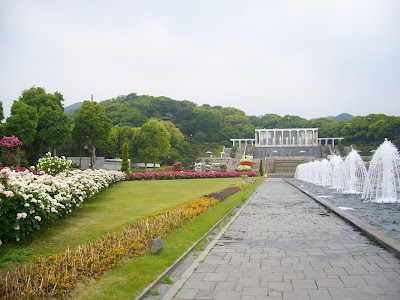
[386, 241]
[178, 285]
[152, 285]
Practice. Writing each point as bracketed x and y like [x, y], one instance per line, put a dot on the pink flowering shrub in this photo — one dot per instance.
[177, 166]
[187, 175]
[9, 147]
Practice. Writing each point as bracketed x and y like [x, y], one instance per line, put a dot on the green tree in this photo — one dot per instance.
[289, 121]
[92, 126]
[235, 123]
[270, 121]
[153, 142]
[176, 135]
[38, 98]
[1, 119]
[22, 123]
[357, 129]
[207, 121]
[183, 119]
[326, 127]
[125, 158]
[256, 121]
[1, 112]
[54, 127]
[261, 168]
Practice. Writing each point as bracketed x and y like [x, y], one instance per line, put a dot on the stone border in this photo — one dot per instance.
[386, 241]
[177, 285]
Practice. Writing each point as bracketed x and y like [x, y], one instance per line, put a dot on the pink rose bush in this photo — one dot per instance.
[188, 175]
[28, 201]
[9, 150]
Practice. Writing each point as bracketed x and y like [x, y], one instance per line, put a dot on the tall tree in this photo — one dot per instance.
[1, 112]
[1, 119]
[38, 98]
[153, 142]
[289, 121]
[54, 127]
[326, 127]
[22, 123]
[270, 121]
[92, 126]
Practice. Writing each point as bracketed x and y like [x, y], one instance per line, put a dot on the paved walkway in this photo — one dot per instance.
[286, 246]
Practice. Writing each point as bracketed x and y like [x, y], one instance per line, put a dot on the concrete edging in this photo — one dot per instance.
[386, 241]
[152, 285]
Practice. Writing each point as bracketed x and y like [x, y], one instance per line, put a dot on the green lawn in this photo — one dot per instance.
[130, 278]
[111, 210]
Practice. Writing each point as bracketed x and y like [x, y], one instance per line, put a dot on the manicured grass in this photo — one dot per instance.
[129, 279]
[109, 211]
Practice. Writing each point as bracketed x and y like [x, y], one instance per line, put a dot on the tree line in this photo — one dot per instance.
[187, 129]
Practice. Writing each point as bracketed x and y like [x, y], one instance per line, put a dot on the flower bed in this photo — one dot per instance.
[57, 275]
[187, 175]
[29, 202]
[244, 169]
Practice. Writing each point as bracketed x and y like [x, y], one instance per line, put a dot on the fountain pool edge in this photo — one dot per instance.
[386, 241]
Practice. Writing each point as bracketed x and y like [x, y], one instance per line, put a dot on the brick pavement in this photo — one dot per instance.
[284, 245]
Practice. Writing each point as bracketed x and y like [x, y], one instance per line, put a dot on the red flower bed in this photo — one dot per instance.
[187, 175]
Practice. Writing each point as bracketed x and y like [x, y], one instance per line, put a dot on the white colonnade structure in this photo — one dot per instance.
[290, 137]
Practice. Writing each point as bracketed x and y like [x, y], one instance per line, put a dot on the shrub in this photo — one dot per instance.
[243, 168]
[226, 193]
[9, 150]
[233, 151]
[177, 166]
[30, 202]
[53, 165]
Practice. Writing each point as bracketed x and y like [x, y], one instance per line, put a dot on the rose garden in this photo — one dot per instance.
[35, 200]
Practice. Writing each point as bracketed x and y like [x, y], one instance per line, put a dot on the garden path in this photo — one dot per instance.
[284, 245]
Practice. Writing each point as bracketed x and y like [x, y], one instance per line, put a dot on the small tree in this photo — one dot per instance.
[261, 168]
[125, 157]
[91, 126]
[152, 142]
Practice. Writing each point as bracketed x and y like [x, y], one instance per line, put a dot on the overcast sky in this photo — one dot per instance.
[307, 58]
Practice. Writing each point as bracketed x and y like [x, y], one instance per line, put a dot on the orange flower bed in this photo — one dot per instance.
[56, 276]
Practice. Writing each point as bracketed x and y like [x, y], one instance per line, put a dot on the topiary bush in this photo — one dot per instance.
[125, 158]
[261, 171]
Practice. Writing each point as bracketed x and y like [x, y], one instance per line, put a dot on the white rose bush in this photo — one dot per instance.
[28, 201]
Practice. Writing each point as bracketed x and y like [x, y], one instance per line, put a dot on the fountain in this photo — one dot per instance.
[339, 178]
[346, 184]
[380, 184]
[356, 173]
[383, 184]
[326, 173]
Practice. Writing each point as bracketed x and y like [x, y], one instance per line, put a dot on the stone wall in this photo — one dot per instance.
[284, 166]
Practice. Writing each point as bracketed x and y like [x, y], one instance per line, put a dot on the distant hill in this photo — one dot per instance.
[342, 117]
[70, 109]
